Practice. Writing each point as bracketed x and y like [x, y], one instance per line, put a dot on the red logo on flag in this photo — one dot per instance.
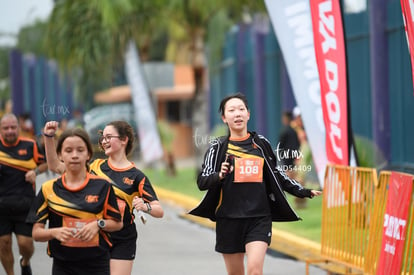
[395, 223]
[330, 56]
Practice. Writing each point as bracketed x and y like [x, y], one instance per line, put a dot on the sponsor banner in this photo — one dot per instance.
[395, 223]
[292, 23]
[331, 60]
[150, 143]
[407, 7]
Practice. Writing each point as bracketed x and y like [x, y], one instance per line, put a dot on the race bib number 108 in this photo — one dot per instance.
[248, 170]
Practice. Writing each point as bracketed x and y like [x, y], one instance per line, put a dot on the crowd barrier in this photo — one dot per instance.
[353, 210]
[376, 229]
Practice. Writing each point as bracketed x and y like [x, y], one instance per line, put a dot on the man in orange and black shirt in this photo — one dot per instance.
[20, 162]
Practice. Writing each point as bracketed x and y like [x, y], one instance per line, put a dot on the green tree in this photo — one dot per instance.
[4, 62]
[31, 39]
[92, 35]
[4, 77]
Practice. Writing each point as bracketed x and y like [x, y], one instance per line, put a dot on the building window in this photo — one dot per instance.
[179, 111]
[173, 111]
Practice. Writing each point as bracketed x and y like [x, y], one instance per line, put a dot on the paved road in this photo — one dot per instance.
[175, 246]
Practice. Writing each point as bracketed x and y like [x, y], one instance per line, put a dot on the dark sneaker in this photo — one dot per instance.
[26, 270]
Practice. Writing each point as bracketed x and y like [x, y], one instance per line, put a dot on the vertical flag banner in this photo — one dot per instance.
[331, 59]
[149, 138]
[407, 7]
[292, 23]
[395, 223]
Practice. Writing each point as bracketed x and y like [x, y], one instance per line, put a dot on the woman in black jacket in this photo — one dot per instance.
[245, 190]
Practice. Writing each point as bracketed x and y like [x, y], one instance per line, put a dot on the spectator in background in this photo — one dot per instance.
[297, 124]
[63, 125]
[20, 162]
[26, 126]
[288, 145]
[76, 121]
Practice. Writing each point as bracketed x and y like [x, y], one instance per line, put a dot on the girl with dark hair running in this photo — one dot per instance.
[245, 190]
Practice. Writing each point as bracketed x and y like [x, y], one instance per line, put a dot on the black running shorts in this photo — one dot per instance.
[232, 235]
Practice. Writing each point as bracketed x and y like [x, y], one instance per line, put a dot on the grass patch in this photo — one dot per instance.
[310, 225]
[185, 183]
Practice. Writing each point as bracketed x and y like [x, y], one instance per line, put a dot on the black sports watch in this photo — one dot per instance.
[101, 223]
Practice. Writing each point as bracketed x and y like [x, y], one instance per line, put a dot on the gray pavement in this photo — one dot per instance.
[175, 246]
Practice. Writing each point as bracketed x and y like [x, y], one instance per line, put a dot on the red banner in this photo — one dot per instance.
[407, 7]
[330, 56]
[395, 223]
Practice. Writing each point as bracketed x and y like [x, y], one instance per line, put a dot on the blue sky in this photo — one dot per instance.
[15, 14]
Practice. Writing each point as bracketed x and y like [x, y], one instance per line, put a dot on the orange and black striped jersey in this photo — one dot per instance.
[15, 161]
[58, 204]
[128, 183]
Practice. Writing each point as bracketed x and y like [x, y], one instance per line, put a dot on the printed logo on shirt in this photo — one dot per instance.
[22, 152]
[91, 198]
[128, 181]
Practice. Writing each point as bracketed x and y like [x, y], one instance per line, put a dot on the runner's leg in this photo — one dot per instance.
[234, 263]
[26, 248]
[121, 267]
[256, 252]
[6, 253]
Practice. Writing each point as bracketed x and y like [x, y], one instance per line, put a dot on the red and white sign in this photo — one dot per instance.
[407, 7]
[292, 23]
[395, 223]
[331, 59]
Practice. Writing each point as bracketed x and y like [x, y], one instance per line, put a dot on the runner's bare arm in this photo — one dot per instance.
[52, 159]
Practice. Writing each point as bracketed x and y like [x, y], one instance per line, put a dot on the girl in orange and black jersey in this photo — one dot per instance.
[128, 183]
[80, 208]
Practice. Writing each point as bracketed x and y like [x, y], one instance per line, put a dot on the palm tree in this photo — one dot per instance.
[91, 36]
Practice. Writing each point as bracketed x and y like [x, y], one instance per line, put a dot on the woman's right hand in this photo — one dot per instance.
[225, 169]
[50, 128]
